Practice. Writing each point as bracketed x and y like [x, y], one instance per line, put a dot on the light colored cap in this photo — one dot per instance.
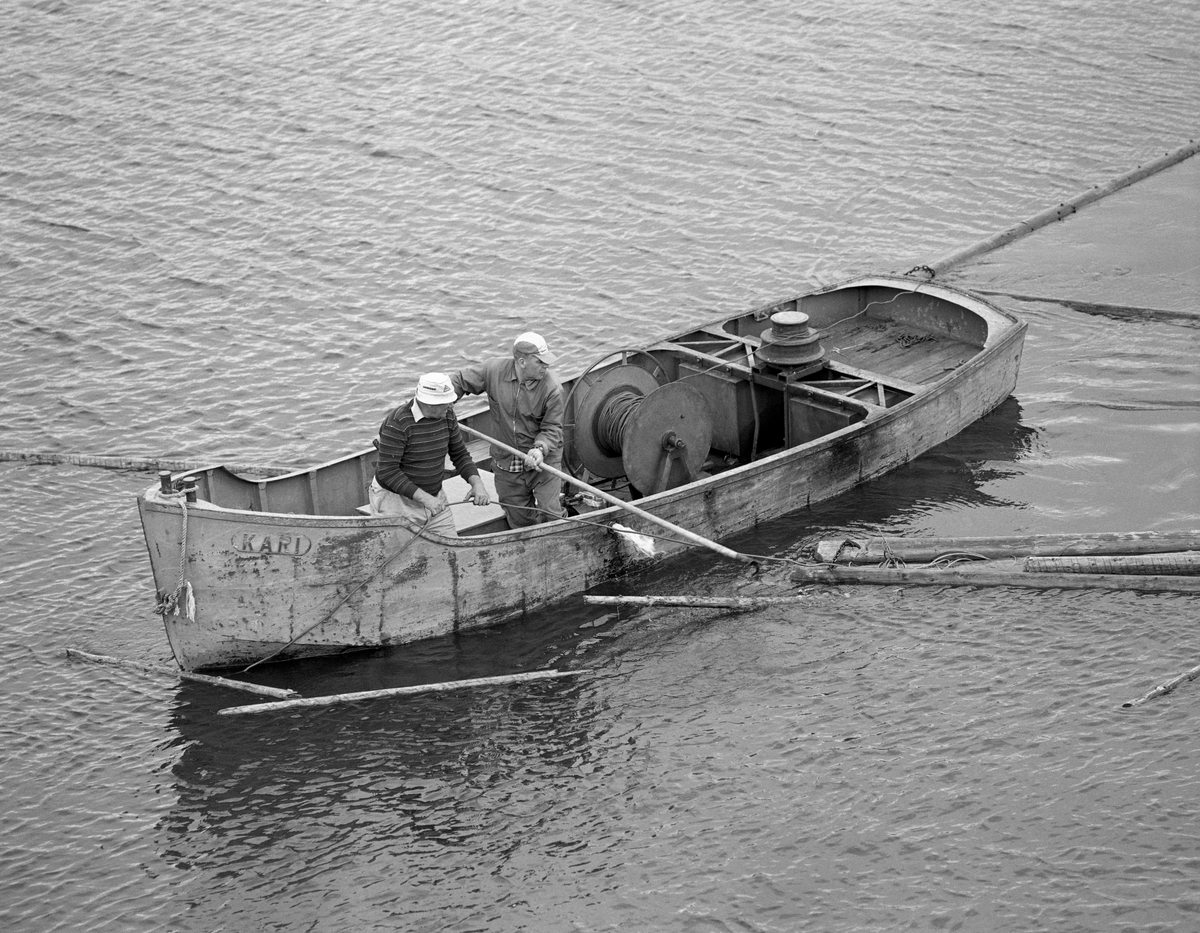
[435, 389]
[531, 344]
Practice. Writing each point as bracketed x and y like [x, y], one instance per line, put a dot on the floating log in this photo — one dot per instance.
[877, 549]
[982, 577]
[135, 464]
[1164, 688]
[1185, 563]
[396, 691]
[700, 602]
[278, 692]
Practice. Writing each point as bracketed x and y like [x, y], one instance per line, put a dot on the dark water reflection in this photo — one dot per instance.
[840, 758]
[398, 773]
[424, 791]
[966, 472]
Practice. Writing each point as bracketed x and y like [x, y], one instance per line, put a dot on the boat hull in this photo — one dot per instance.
[295, 585]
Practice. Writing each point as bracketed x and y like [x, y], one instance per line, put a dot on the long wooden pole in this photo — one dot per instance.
[137, 464]
[1145, 583]
[183, 675]
[699, 602]
[874, 549]
[1164, 688]
[396, 692]
[690, 536]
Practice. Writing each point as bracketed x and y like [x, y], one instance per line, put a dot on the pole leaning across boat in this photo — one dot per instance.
[689, 536]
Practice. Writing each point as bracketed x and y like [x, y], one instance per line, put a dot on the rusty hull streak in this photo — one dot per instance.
[452, 559]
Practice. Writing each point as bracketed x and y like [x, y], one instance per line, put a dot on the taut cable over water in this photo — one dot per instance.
[1065, 209]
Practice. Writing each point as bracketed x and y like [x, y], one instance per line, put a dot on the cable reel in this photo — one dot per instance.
[626, 424]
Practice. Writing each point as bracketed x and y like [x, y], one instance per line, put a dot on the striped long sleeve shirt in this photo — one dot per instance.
[412, 453]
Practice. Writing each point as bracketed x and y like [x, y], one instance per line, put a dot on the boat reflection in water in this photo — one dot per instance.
[266, 803]
[437, 786]
[954, 475]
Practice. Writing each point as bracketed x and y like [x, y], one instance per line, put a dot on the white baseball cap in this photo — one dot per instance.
[435, 389]
[531, 344]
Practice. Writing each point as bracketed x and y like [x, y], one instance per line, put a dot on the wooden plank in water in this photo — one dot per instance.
[699, 602]
[396, 691]
[1175, 563]
[872, 576]
[1164, 688]
[875, 550]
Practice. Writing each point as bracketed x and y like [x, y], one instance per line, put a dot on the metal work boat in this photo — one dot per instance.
[713, 430]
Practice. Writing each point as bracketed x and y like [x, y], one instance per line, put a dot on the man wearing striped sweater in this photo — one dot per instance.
[414, 440]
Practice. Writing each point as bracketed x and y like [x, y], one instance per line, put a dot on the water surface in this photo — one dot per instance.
[236, 231]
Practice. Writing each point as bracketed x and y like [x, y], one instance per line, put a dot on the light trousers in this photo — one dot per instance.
[386, 502]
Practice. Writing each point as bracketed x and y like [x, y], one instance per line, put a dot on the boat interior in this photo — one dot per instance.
[728, 393]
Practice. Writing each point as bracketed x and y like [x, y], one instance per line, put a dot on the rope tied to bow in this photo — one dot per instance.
[182, 595]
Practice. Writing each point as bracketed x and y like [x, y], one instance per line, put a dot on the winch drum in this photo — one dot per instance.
[664, 433]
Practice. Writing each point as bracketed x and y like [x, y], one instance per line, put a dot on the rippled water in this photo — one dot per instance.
[242, 230]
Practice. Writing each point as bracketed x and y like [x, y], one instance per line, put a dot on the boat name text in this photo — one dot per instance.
[291, 545]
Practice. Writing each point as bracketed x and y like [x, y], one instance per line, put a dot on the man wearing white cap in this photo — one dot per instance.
[413, 443]
[527, 413]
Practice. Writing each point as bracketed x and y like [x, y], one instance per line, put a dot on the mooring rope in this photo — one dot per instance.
[950, 559]
[169, 604]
